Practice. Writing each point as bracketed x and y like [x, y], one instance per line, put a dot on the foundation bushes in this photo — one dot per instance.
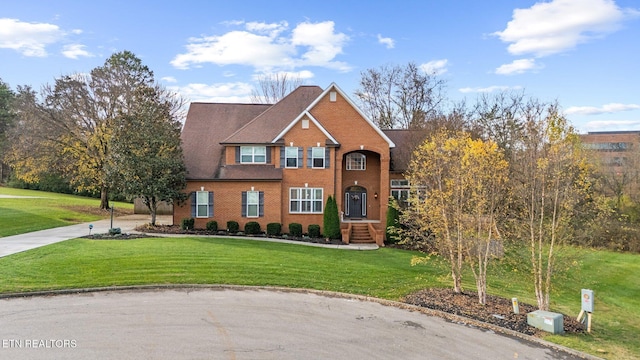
[233, 226]
[295, 229]
[274, 229]
[187, 223]
[314, 231]
[212, 226]
[252, 228]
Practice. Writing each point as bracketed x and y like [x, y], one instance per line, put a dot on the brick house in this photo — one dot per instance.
[279, 163]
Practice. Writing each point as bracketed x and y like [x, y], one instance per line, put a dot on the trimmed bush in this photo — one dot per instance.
[115, 231]
[274, 229]
[212, 226]
[331, 219]
[393, 216]
[187, 223]
[233, 226]
[295, 229]
[314, 231]
[252, 228]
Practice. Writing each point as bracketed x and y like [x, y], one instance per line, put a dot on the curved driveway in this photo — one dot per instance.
[236, 323]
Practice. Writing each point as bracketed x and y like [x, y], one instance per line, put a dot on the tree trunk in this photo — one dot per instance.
[153, 210]
[104, 198]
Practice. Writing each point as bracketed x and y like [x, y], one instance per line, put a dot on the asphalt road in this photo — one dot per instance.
[206, 323]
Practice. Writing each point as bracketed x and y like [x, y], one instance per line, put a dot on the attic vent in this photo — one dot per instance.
[305, 124]
[332, 96]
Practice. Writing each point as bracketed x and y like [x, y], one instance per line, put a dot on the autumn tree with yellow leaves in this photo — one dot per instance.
[456, 183]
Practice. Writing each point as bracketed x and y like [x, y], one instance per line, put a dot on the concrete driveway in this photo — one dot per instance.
[18, 243]
[236, 323]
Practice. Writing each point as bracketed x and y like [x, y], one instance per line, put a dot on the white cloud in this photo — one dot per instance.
[303, 75]
[271, 29]
[169, 79]
[489, 89]
[29, 39]
[612, 125]
[386, 41]
[551, 27]
[268, 46]
[74, 51]
[435, 67]
[604, 109]
[237, 92]
[517, 67]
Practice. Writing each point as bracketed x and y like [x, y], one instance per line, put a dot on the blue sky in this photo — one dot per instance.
[583, 53]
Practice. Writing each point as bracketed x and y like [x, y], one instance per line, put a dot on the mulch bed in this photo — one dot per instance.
[175, 229]
[498, 311]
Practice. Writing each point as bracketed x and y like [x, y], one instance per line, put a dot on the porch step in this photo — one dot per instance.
[360, 234]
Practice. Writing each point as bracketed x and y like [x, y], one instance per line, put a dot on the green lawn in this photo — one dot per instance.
[47, 210]
[385, 273]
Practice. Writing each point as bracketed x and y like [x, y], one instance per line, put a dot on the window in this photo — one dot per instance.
[356, 161]
[253, 204]
[291, 157]
[317, 157]
[305, 200]
[253, 154]
[400, 191]
[202, 204]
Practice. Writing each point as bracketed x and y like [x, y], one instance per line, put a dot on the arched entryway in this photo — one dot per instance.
[355, 200]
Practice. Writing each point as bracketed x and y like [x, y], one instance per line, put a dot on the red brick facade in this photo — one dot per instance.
[330, 121]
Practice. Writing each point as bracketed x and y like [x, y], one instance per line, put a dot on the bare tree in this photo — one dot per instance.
[273, 87]
[403, 97]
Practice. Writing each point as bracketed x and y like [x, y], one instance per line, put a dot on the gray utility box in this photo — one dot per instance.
[547, 321]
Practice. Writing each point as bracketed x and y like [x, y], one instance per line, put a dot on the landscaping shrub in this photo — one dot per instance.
[392, 221]
[233, 226]
[314, 231]
[252, 228]
[295, 229]
[274, 229]
[331, 219]
[212, 226]
[115, 231]
[187, 223]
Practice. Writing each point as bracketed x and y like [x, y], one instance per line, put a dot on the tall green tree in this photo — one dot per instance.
[147, 159]
[77, 118]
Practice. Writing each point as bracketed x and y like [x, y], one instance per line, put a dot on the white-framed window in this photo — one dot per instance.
[317, 157]
[253, 203]
[291, 157]
[356, 161]
[202, 204]
[253, 154]
[305, 200]
[400, 190]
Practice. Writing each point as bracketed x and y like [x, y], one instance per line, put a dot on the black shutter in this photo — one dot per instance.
[327, 157]
[309, 158]
[268, 151]
[193, 204]
[237, 154]
[261, 204]
[244, 204]
[300, 156]
[210, 203]
[282, 160]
